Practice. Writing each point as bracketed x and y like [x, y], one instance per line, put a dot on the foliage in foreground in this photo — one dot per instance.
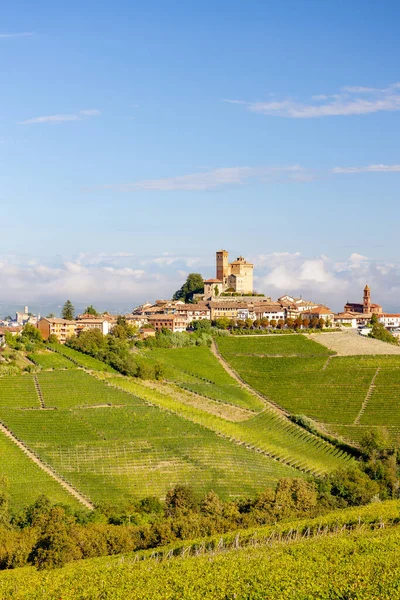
[358, 565]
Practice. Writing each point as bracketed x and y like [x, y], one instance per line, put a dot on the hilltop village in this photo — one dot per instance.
[228, 301]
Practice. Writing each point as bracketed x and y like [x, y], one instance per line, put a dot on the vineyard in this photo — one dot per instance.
[82, 360]
[348, 554]
[25, 480]
[50, 360]
[196, 369]
[112, 445]
[268, 432]
[346, 394]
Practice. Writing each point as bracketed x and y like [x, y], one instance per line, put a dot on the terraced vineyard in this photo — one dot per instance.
[268, 432]
[112, 445]
[347, 394]
[80, 359]
[196, 369]
[51, 360]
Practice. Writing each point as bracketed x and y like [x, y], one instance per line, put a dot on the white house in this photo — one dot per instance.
[389, 320]
[272, 311]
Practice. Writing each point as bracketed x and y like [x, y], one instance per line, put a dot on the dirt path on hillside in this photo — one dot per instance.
[266, 401]
[351, 343]
[71, 490]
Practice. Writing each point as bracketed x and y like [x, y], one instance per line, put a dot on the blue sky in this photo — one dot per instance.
[138, 138]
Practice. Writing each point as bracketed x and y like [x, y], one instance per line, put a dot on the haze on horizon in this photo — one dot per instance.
[136, 140]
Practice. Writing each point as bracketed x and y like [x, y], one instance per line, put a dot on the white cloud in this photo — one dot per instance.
[351, 100]
[109, 280]
[210, 180]
[368, 169]
[330, 282]
[4, 36]
[62, 118]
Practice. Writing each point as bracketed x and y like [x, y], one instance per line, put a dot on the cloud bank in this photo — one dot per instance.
[350, 100]
[124, 279]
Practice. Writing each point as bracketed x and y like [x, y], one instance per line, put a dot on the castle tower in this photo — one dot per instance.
[367, 300]
[222, 265]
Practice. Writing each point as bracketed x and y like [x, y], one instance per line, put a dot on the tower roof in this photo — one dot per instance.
[367, 289]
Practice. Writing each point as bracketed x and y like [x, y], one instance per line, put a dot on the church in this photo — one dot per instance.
[366, 308]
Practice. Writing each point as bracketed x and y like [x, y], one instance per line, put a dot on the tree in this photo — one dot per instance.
[180, 499]
[281, 323]
[194, 284]
[272, 323]
[298, 322]
[380, 333]
[353, 486]
[90, 310]
[51, 316]
[222, 323]
[68, 311]
[374, 319]
[216, 291]
[248, 323]
[32, 333]
[290, 322]
[201, 325]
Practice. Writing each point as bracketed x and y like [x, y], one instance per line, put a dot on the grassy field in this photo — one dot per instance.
[274, 562]
[328, 389]
[196, 369]
[113, 445]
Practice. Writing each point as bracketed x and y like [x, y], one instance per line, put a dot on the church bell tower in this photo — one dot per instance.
[367, 300]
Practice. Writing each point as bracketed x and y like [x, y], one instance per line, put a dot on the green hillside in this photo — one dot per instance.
[112, 445]
[197, 369]
[350, 554]
[346, 394]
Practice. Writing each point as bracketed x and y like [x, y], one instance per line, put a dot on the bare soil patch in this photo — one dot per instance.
[350, 343]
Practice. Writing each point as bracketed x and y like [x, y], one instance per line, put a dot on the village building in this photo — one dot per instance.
[273, 311]
[389, 320]
[102, 325]
[193, 312]
[297, 305]
[319, 312]
[175, 323]
[61, 328]
[230, 310]
[348, 319]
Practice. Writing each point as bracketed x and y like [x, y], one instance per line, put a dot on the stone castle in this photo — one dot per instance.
[235, 277]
